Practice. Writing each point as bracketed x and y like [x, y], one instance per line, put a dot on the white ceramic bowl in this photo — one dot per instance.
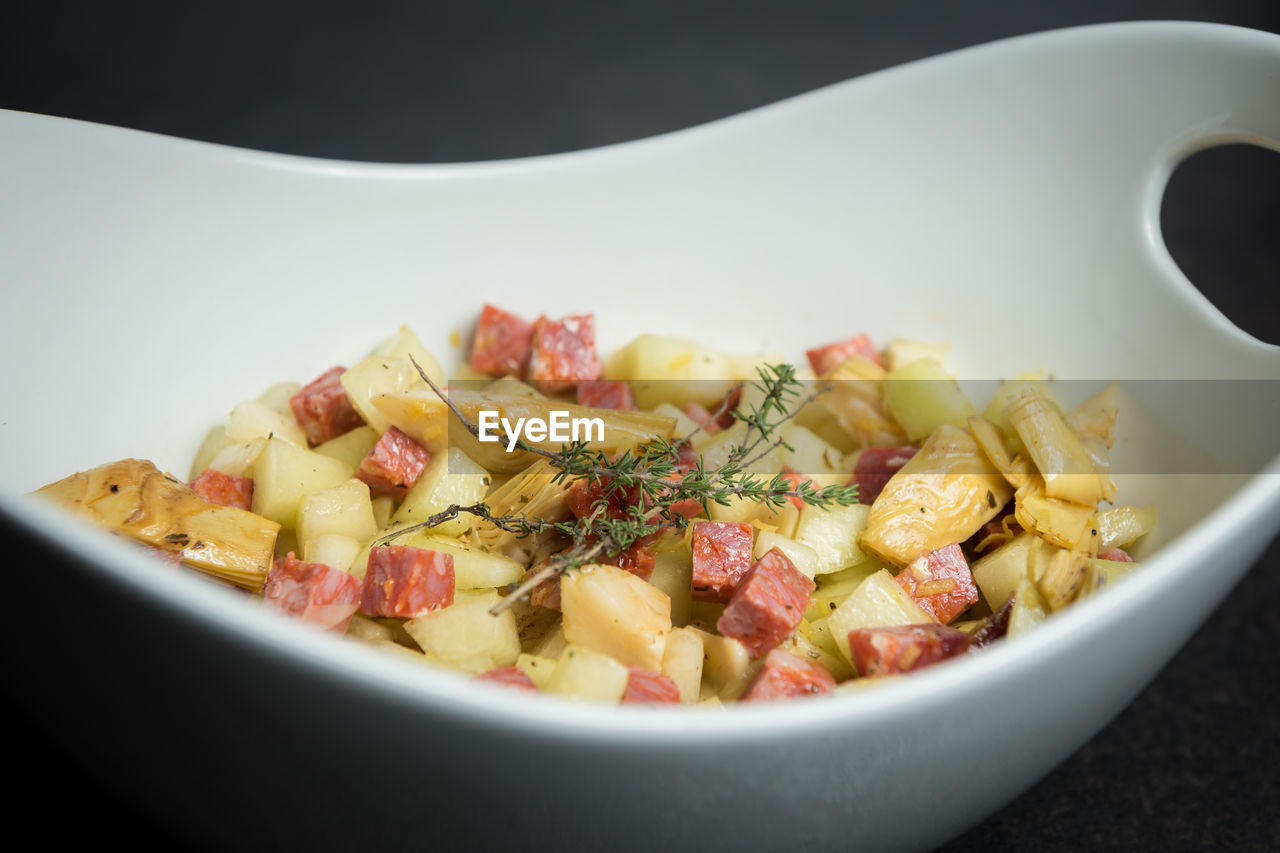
[154, 282]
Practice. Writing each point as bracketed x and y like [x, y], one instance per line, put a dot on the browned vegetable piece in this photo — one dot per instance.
[944, 494]
[135, 498]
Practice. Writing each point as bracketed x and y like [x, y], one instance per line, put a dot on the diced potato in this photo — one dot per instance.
[538, 669]
[682, 662]
[903, 351]
[133, 497]
[332, 549]
[451, 477]
[877, 602]
[998, 574]
[808, 453]
[383, 507]
[363, 628]
[673, 574]
[552, 644]
[782, 519]
[251, 420]
[284, 474]
[922, 396]
[1104, 573]
[465, 635]
[1029, 608]
[351, 447]
[586, 674]
[343, 510]
[612, 611]
[472, 568]
[403, 344]
[1121, 526]
[804, 558]
[726, 663]
[373, 376]
[808, 644]
[832, 534]
[278, 395]
[237, 459]
[943, 495]
[419, 413]
[214, 440]
[671, 370]
[834, 588]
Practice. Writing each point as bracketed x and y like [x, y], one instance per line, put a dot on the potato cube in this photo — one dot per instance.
[612, 611]
[344, 510]
[451, 477]
[682, 662]
[373, 376]
[252, 419]
[832, 534]
[283, 474]
[351, 447]
[586, 674]
[466, 636]
[877, 602]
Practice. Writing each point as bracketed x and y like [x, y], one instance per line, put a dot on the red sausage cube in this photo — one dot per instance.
[224, 489]
[721, 558]
[827, 358]
[637, 558]
[508, 676]
[320, 594]
[645, 686]
[767, 605]
[393, 464]
[1115, 555]
[605, 394]
[698, 413]
[904, 648]
[503, 343]
[940, 583]
[875, 466]
[322, 408]
[402, 581]
[564, 352]
[785, 676]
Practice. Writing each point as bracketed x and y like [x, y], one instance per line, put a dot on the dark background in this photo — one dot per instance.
[1192, 764]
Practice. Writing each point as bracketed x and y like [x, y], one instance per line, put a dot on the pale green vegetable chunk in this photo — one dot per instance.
[588, 675]
[878, 602]
[284, 474]
[466, 636]
[923, 395]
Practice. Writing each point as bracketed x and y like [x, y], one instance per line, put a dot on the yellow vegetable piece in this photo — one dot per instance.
[614, 612]
[1068, 470]
[945, 493]
[133, 497]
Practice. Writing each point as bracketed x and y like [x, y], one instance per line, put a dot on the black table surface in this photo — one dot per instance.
[1191, 764]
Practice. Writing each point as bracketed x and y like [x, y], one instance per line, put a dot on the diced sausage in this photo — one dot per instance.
[402, 581]
[940, 583]
[606, 394]
[508, 676]
[996, 626]
[767, 605]
[224, 489]
[785, 676]
[721, 558]
[502, 344]
[564, 352]
[584, 494]
[637, 558]
[322, 408]
[875, 466]
[320, 594]
[698, 413]
[393, 464]
[645, 686]
[796, 479]
[1115, 555]
[904, 648]
[827, 358]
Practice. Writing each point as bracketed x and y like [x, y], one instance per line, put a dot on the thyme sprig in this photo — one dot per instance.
[641, 491]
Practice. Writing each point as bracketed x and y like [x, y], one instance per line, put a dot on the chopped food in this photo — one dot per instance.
[723, 537]
[323, 409]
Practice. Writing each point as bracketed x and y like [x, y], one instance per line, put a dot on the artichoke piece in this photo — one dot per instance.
[1060, 574]
[1016, 468]
[133, 497]
[1121, 526]
[533, 492]
[1068, 469]
[1062, 523]
[945, 493]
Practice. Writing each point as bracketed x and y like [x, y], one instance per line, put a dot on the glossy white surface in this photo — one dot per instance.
[1004, 199]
